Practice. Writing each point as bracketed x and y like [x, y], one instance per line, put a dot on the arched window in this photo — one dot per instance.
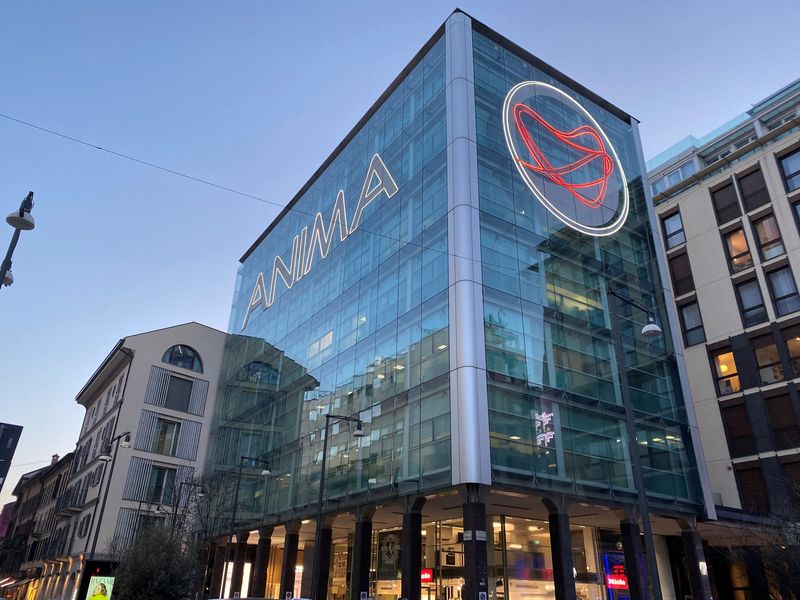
[184, 357]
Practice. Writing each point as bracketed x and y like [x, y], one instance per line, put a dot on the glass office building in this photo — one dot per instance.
[444, 278]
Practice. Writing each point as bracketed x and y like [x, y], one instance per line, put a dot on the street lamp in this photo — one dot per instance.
[650, 331]
[109, 455]
[20, 220]
[358, 433]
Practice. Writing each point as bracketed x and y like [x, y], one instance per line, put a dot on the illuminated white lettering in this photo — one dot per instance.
[305, 246]
[258, 297]
[370, 191]
[322, 239]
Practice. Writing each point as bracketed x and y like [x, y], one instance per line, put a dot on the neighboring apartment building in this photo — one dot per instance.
[159, 387]
[446, 279]
[9, 436]
[729, 212]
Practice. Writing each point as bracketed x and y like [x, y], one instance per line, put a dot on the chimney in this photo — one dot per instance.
[54, 459]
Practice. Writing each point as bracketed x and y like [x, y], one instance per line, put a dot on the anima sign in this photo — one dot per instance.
[565, 158]
[305, 246]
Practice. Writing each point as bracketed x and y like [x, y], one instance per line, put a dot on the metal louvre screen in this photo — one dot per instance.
[156, 393]
[138, 478]
[145, 435]
[126, 526]
[189, 440]
[197, 402]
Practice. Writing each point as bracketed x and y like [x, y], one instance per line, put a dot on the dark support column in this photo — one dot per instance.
[324, 545]
[362, 554]
[476, 570]
[634, 559]
[238, 561]
[259, 589]
[289, 558]
[756, 574]
[696, 564]
[561, 548]
[411, 553]
[215, 587]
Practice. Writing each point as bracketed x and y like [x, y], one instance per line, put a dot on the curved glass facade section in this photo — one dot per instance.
[556, 414]
[351, 322]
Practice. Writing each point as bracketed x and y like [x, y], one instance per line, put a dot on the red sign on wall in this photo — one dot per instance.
[426, 575]
[617, 580]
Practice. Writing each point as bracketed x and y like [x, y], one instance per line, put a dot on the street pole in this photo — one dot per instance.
[630, 423]
[24, 217]
[112, 446]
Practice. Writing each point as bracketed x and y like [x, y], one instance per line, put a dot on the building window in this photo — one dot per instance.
[768, 237]
[738, 252]
[726, 374]
[784, 291]
[726, 204]
[692, 322]
[754, 190]
[160, 486]
[783, 419]
[184, 357]
[751, 303]
[179, 392]
[770, 369]
[738, 431]
[792, 338]
[681, 274]
[166, 437]
[752, 489]
[790, 166]
[673, 231]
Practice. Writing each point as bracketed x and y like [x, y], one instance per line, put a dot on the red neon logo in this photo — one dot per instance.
[592, 192]
[426, 575]
[617, 582]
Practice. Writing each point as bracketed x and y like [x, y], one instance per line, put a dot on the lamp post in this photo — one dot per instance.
[359, 432]
[650, 330]
[20, 220]
[109, 454]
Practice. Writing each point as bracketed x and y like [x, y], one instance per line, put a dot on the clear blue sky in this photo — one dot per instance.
[254, 96]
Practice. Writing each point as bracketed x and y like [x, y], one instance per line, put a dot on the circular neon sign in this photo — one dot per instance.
[565, 158]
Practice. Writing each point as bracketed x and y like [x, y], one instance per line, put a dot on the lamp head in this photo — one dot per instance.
[126, 441]
[22, 221]
[651, 330]
[359, 432]
[8, 278]
[105, 455]
[266, 471]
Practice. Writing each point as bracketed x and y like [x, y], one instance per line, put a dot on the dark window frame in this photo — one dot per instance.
[793, 332]
[768, 276]
[754, 222]
[668, 236]
[785, 177]
[686, 332]
[732, 258]
[785, 427]
[744, 198]
[720, 377]
[672, 259]
[758, 503]
[738, 445]
[762, 342]
[183, 380]
[737, 284]
[715, 205]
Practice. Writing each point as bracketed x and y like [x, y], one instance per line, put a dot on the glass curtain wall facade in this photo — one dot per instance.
[352, 303]
[363, 332]
[555, 405]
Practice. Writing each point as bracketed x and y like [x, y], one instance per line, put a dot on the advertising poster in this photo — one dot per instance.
[100, 588]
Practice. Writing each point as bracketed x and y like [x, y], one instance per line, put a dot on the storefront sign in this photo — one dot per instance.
[565, 158]
[306, 246]
[100, 588]
[617, 579]
[426, 576]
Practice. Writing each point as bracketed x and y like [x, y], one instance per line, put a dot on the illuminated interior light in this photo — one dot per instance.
[672, 437]
[723, 368]
[643, 442]
[399, 367]
[380, 376]
[658, 440]
[441, 347]
[515, 546]
[496, 525]
[515, 437]
[534, 528]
